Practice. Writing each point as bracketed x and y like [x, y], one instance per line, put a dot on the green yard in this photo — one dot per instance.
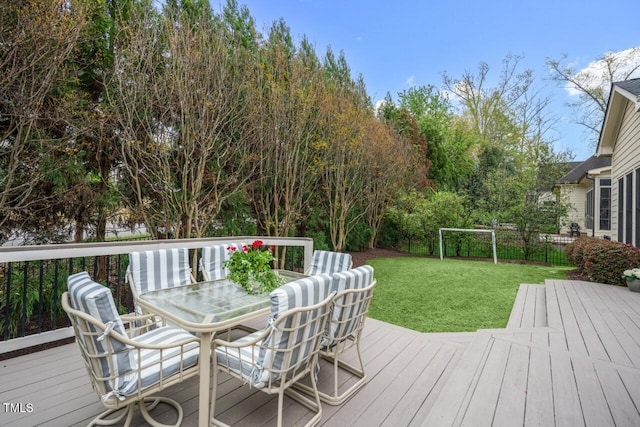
[432, 295]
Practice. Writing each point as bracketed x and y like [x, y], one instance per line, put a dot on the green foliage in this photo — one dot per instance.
[358, 238]
[418, 215]
[575, 250]
[604, 261]
[251, 264]
[449, 140]
[24, 299]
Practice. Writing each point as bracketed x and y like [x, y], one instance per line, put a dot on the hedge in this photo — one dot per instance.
[603, 261]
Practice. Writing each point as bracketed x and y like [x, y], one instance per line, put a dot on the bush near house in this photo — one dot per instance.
[575, 250]
[603, 261]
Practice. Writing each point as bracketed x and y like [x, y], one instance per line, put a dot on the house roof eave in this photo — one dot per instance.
[618, 99]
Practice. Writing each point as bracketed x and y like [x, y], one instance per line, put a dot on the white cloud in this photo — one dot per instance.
[598, 74]
[411, 81]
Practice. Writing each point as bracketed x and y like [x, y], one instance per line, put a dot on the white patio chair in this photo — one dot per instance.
[213, 258]
[286, 351]
[126, 371]
[327, 262]
[354, 290]
[159, 269]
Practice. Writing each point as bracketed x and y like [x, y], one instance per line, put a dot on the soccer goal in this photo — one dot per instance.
[469, 230]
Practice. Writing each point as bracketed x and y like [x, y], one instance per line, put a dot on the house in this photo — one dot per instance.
[620, 141]
[587, 188]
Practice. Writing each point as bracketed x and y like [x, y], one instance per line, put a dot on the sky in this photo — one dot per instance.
[398, 44]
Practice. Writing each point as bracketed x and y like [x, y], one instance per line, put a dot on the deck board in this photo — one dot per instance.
[570, 356]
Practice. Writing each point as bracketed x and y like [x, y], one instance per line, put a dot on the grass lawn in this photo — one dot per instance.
[433, 295]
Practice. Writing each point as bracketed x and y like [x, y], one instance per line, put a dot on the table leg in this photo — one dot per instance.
[205, 375]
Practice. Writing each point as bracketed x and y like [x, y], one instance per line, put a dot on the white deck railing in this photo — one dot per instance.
[16, 254]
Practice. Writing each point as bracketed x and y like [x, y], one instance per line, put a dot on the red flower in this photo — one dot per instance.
[256, 244]
[231, 248]
[245, 248]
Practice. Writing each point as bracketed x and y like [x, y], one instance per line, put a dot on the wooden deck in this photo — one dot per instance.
[579, 366]
[570, 356]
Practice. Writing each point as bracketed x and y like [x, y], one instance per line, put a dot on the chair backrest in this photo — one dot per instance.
[213, 258]
[327, 262]
[159, 269]
[118, 365]
[299, 312]
[354, 290]
[106, 358]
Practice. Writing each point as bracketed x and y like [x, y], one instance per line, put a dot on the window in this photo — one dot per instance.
[628, 205]
[589, 210]
[605, 204]
[637, 233]
[621, 210]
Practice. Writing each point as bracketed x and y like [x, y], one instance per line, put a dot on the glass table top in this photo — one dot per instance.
[210, 302]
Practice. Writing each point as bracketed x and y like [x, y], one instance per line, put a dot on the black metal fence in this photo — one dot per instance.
[546, 248]
[30, 291]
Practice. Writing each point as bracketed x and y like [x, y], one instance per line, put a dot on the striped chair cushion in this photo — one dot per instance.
[300, 293]
[241, 360]
[262, 362]
[149, 362]
[96, 300]
[213, 258]
[327, 262]
[357, 278]
[160, 269]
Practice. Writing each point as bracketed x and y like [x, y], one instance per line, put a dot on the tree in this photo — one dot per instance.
[449, 141]
[406, 126]
[514, 114]
[421, 215]
[342, 149]
[37, 39]
[516, 158]
[284, 110]
[592, 84]
[344, 171]
[96, 147]
[180, 94]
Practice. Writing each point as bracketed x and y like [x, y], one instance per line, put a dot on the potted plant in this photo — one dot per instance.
[250, 267]
[633, 279]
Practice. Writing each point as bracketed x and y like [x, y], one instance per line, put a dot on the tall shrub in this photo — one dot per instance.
[604, 260]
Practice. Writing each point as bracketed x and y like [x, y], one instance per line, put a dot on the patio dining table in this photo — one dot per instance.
[206, 308]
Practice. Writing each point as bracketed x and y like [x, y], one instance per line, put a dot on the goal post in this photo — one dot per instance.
[470, 230]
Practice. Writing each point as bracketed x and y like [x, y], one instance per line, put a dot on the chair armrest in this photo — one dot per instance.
[137, 324]
[234, 344]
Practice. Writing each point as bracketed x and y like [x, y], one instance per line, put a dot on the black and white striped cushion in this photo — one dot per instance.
[96, 300]
[161, 269]
[327, 262]
[260, 363]
[347, 322]
[242, 359]
[152, 365]
[213, 258]
[300, 293]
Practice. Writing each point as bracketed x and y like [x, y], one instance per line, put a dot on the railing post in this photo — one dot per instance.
[7, 301]
[56, 276]
[25, 284]
[40, 295]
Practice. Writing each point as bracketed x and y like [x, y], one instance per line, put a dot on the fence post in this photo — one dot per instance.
[546, 251]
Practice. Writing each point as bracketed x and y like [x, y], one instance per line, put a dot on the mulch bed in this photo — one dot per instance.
[361, 257]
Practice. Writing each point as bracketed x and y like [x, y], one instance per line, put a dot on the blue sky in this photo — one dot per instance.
[397, 44]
